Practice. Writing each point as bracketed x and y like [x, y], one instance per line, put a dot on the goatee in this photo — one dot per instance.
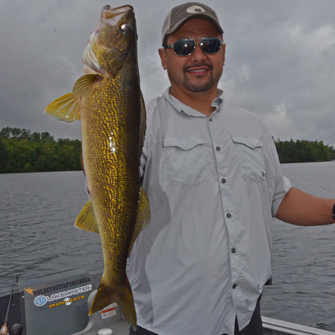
[203, 87]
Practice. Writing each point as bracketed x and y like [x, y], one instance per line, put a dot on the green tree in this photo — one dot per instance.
[3, 156]
[21, 151]
[303, 151]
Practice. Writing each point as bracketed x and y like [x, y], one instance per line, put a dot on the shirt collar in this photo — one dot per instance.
[182, 108]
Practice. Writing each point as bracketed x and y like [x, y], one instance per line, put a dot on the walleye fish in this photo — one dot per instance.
[108, 101]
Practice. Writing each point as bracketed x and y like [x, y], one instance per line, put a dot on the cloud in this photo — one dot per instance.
[279, 65]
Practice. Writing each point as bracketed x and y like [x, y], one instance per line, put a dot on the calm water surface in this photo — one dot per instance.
[38, 237]
[37, 213]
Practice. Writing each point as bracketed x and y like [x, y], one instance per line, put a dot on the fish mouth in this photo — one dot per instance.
[108, 7]
[112, 16]
[107, 11]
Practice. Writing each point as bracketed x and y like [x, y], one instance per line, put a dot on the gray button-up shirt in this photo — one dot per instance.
[213, 185]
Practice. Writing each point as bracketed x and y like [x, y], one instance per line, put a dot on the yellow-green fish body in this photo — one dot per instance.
[109, 103]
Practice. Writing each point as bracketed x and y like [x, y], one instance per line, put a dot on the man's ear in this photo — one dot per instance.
[163, 55]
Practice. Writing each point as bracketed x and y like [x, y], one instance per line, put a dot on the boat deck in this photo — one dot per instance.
[270, 327]
[71, 314]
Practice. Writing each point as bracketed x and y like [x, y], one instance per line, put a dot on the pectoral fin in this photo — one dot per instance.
[143, 216]
[86, 219]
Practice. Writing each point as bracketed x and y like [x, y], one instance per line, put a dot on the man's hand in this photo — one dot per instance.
[303, 209]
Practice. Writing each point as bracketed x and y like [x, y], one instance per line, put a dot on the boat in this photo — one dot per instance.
[59, 304]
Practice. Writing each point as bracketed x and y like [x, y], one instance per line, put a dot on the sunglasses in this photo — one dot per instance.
[185, 47]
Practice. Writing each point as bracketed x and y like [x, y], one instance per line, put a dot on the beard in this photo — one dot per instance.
[201, 87]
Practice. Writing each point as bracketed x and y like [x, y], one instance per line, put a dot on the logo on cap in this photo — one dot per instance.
[195, 9]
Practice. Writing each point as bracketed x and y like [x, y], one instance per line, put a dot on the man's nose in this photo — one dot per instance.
[198, 54]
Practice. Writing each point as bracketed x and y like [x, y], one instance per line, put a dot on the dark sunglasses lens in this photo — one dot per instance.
[210, 45]
[184, 47]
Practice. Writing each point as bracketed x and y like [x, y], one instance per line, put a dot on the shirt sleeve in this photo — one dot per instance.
[279, 185]
[284, 185]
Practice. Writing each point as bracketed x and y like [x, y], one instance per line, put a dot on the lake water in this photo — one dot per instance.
[38, 237]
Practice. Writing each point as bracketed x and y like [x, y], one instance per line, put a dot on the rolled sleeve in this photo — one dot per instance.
[283, 186]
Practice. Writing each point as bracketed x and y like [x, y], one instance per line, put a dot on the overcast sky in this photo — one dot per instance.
[280, 61]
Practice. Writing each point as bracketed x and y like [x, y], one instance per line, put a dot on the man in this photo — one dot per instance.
[214, 182]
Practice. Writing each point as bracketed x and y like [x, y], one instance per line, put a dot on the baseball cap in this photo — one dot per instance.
[191, 10]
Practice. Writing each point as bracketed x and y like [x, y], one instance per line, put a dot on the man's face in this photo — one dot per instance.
[198, 72]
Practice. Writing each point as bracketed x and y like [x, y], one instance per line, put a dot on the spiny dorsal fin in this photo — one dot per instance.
[83, 83]
[86, 219]
[143, 216]
[65, 108]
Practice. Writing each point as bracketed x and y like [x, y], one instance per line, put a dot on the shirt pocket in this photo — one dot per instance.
[250, 156]
[184, 160]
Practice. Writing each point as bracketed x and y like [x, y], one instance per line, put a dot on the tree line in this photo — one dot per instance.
[21, 151]
[303, 151]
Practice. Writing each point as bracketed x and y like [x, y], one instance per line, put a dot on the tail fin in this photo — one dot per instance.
[122, 295]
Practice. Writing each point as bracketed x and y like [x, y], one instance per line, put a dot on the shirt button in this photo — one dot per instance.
[228, 215]
[233, 250]
[234, 286]
[223, 180]
[210, 120]
[218, 148]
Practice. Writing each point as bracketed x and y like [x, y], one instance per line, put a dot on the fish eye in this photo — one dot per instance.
[126, 28]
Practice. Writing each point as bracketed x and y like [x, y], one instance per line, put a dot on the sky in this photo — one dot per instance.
[280, 60]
